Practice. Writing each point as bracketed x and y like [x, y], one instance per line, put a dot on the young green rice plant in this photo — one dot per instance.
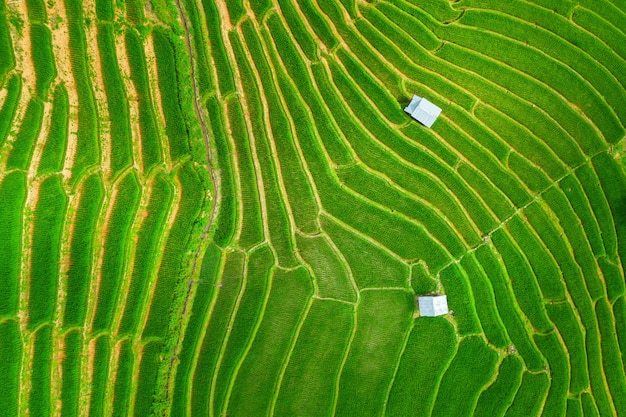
[105, 10]
[600, 207]
[523, 281]
[575, 407]
[251, 221]
[9, 106]
[100, 377]
[378, 269]
[39, 403]
[385, 103]
[544, 267]
[307, 42]
[613, 182]
[461, 384]
[430, 347]
[575, 195]
[43, 59]
[46, 251]
[24, 144]
[578, 240]
[70, 386]
[203, 76]
[384, 318]
[147, 378]
[485, 303]
[460, 299]
[611, 358]
[421, 281]
[225, 80]
[493, 197]
[147, 251]
[134, 12]
[151, 151]
[590, 20]
[306, 387]
[228, 208]
[552, 72]
[581, 131]
[122, 392]
[11, 351]
[508, 309]
[619, 312]
[575, 48]
[319, 25]
[82, 248]
[13, 194]
[558, 364]
[613, 278]
[260, 7]
[331, 275]
[589, 405]
[409, 178]
[116, 243]
[256, 382]
[498, 397]
[530, 395]
[228, 289]
[520, 140]
[599, 389]
[236, 11]
[551, 238]
[563, 317]
[53, 155]
[298, 188]
[478, 145]
[169, 81]
[117, 100]
[244, 320]
[87, 145]
[36, 11]
[211, 264]
[191, 202]
[6, 45]
[378, 190]
[409, 23]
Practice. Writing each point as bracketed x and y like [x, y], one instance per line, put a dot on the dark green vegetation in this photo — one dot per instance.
[218, 207]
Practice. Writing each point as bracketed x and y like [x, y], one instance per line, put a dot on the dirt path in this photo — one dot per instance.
[170, 372]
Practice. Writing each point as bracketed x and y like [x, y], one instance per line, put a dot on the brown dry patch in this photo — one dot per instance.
[28, 353]
[222, 10]
[60, 48]
[41, 140]
[133, 101]
[3, 96]
[24, 66]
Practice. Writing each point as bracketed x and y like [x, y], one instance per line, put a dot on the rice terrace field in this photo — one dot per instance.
[219, 208]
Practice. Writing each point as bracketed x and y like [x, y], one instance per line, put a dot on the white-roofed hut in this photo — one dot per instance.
[423, 111]
[433, 305]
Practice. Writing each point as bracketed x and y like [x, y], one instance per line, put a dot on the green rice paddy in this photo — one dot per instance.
[219, 208]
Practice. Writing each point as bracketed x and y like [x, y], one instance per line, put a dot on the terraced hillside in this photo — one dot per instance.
[216, 208]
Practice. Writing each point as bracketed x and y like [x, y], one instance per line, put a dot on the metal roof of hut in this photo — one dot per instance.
[431, 306]
[423, 111]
